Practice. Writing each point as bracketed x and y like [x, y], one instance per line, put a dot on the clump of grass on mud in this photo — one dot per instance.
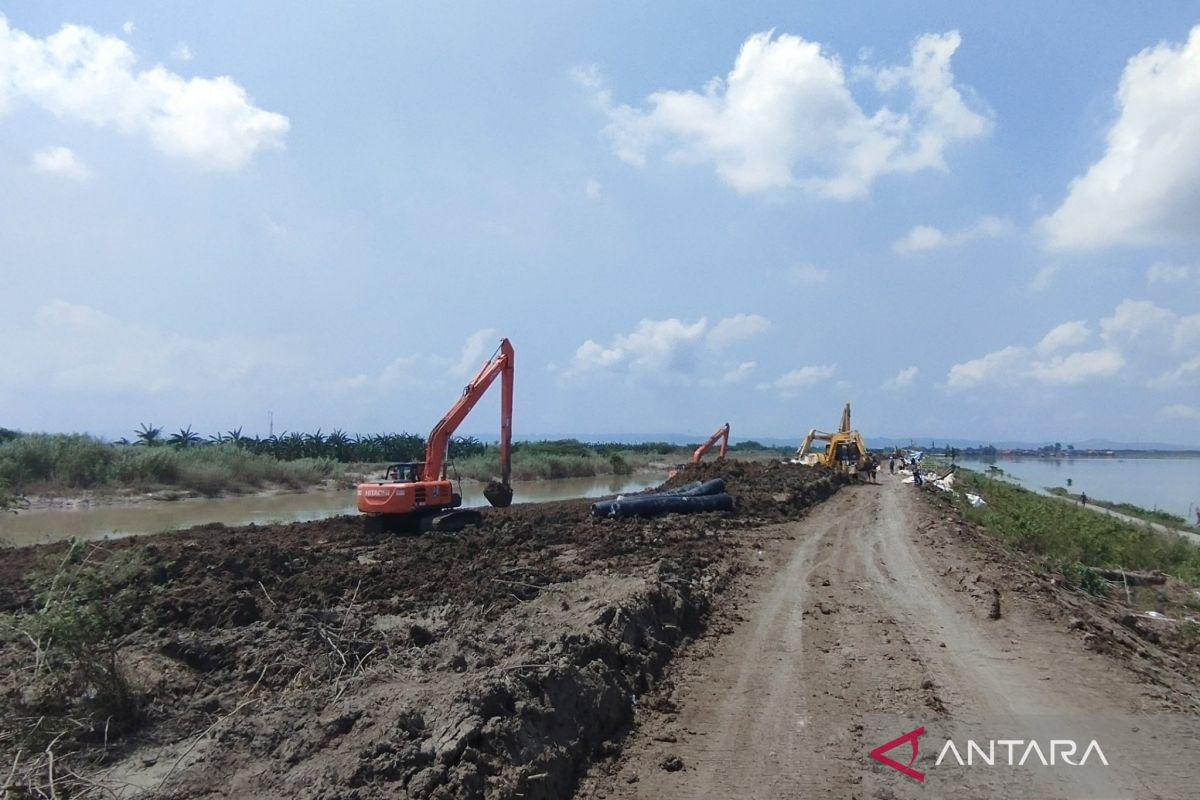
[1065, 535]
[65, 683]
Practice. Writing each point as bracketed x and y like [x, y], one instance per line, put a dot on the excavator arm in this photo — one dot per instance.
[722, 435]
[500, 365]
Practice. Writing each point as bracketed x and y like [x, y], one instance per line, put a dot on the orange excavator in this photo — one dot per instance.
[722, 436]
[420, 495]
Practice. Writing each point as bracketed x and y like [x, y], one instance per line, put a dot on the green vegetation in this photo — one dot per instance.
[45, 462]
[232, 462]
[75, 684]
[1072, 539]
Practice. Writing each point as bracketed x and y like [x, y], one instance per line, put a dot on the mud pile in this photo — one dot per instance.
[315, 660]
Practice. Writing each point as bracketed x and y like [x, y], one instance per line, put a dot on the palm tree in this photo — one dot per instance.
[185, 438]
[148, 435]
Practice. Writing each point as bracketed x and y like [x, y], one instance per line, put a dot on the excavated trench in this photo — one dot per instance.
[317, 660]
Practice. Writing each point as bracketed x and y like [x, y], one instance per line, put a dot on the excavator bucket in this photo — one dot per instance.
[499, 494]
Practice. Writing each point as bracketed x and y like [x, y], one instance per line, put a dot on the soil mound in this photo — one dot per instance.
[316, 660]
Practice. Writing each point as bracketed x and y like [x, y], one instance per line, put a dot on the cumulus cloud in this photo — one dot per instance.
[1140, 343]
[76, 348]
[60, 161]
[1181, 411]
[732, 375]
[1144, 189]
[671, 348]
[784, 118]
[477, 346]
[792, 382]
[654, 346]
[736, 328]
[82, 75]
[902, 379]
[182, 52]
[1164, 273]
[1062, 337]
[926, 237]
[1044, 277]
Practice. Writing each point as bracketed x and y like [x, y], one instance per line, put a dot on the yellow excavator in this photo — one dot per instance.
[844, 450]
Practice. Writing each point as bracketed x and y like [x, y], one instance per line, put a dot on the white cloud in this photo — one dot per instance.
[902, 379]
[672, 350]
[737, 374]
[1186, 374]
[182, 52]
[1137, 319]
[654, 346]
[790, 383]
[82, 75]
[1141, 344]
[736, 328]
[1180, 411]
[926, 237]
[1162, 272]
[60, 161]
[1143, 189]
[1076, 368]
[76, 348]
[592, 189]
[1045, 276]
[922, 237]
[784, 118]
[473, 351]
[1001, 367]
[1015, 365]
[1067, 335]
[129, 27]
[806, 275]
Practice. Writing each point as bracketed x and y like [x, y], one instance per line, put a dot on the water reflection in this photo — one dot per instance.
[99, 522]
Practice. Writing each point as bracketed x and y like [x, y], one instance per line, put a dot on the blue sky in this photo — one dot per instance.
[969, 221]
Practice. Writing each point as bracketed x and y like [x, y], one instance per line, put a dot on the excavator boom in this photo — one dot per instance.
[722, 435]
[425, 496]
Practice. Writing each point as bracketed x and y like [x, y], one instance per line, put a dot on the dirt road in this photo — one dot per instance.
[869, 613]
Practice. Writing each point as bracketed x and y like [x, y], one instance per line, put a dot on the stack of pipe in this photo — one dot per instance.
[690, 499]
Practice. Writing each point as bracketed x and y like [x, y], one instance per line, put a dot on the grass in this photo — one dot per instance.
[1064, 535]
[72, 682]
[49, 463]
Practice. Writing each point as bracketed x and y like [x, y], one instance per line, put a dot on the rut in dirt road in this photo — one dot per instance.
[855, 618]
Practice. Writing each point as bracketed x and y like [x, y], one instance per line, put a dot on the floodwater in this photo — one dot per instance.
[1163, 484]
[99, 522]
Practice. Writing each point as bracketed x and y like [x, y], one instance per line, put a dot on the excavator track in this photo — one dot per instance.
[451, 521]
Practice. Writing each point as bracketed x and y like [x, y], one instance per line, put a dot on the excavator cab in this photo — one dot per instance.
[404, 472]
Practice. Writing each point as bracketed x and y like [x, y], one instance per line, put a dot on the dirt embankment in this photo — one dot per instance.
[313, 660]
[881, 610]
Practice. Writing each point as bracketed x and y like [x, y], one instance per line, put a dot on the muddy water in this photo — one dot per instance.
[98, 522]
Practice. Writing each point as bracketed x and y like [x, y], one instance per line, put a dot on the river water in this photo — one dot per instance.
[1163, 484]
[101, 521]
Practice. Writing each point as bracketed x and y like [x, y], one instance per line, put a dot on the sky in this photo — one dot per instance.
[968, 220]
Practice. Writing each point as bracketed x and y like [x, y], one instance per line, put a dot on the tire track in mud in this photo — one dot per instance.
[858, 613]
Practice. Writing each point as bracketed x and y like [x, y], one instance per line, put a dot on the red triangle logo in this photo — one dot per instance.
[911, 738]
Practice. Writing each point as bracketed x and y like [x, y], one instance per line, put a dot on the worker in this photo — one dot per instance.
[892, 464]
[1083, 498]
[414, 474]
